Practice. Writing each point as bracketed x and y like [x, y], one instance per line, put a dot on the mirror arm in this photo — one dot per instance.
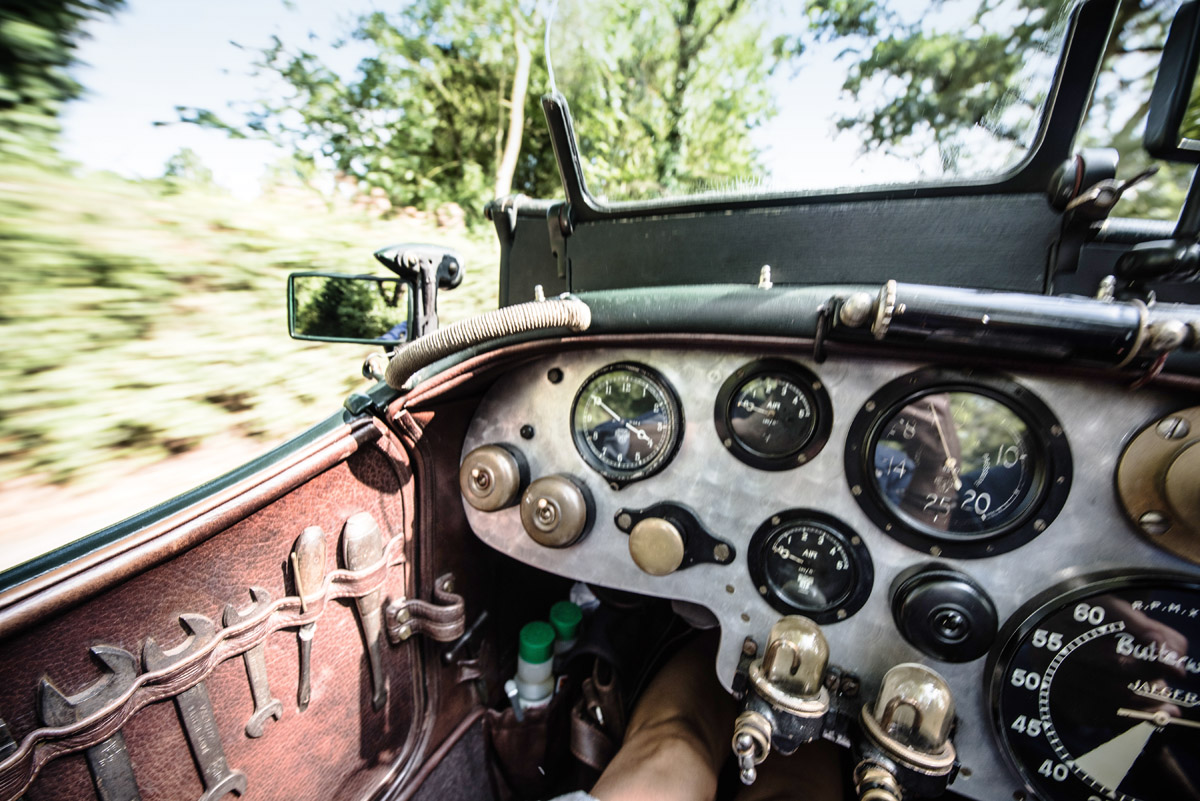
[427, 268]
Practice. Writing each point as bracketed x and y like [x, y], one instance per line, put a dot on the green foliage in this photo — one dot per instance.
[917, 88]
[670, 90]
[347, 308]
[38, 39]
[141, 324]
[186, 167]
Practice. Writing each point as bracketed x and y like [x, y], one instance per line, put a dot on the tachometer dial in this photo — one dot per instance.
[809, 562]
[957, 464]
[1096, 691]
[626, 422]
[773, 414]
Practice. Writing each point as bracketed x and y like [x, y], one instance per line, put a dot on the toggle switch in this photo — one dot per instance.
[491, 477]
[556, 511]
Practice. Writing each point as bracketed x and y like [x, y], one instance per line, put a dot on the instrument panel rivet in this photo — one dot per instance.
[1039, 526]
[869, 406]
[555, 375]
[745, 618]
[856, 490]
[729, 589]
[1154, 522]
[935, 551]
[624, 521]
[527, 431]
[721, 552]
[775, 520]
[1173, 428]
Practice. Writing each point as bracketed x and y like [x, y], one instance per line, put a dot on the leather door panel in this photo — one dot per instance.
[339, 747]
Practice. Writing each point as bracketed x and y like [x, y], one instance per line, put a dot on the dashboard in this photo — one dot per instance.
[974, 521]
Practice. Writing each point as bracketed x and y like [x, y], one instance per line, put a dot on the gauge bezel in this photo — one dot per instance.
[618, 478]
[794, 373]
[1027, 618]
[852, 543]
[1051, 473]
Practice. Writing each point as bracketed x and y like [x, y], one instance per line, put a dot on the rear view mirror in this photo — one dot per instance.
[1173, 121]
[331, 307]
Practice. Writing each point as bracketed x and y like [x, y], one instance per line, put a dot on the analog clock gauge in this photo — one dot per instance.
[958, 465]
[1096, 690]
[626, 422]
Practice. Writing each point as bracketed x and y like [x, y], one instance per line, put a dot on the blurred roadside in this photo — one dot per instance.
[143, 335]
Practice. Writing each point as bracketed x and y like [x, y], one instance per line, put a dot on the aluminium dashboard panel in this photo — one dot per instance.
[733, 499]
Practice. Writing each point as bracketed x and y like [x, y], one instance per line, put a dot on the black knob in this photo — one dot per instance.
[944, 613]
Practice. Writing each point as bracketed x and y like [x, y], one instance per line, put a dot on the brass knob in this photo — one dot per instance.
[796, 656]
[556, 511]
[656, 546]
[915, 708]
[490, 478]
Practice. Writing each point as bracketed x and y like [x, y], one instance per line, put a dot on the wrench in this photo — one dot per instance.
[108, 761]
[195, 710]
[256, 666]
[362, 546]
[308, 571]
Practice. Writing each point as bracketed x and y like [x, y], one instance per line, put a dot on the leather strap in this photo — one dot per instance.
[42, 745]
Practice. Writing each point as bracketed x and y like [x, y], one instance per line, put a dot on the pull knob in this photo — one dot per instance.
[491, 477]
[915, 710]
[657, 546]
[556, 511]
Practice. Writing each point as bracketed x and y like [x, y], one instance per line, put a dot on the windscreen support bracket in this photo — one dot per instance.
[558, 222]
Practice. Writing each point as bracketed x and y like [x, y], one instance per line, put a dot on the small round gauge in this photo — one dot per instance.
[804, 561]
[958, 464]
[626, 422]
[773, 414]
[1095, 691]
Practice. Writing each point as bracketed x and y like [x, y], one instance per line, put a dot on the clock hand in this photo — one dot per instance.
[614, 415]
[951, 462]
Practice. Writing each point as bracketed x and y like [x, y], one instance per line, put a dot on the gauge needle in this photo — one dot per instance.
[786, 554]
[614, 415]
[639, 433]
[1109, 763]
[1159, 718]
[951, 462]
[750, 407]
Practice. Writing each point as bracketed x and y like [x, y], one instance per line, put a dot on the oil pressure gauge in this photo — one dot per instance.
[773, 414]
[807, 562]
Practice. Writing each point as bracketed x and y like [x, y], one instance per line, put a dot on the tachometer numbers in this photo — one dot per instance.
[1096, 690]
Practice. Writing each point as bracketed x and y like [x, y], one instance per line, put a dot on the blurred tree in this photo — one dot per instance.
[342, 308]
[917, 88]
[441, 110]
[186, 166]
[38, 41]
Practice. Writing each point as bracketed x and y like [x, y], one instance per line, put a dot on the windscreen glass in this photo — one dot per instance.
[678, 98]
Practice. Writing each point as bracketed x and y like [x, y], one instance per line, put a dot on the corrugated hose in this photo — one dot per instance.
[570, 313]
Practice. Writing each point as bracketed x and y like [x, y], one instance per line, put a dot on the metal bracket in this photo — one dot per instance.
[427, 268]
[443, 620]
[558, 223]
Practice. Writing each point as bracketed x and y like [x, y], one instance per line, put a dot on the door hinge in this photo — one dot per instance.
[444, 619]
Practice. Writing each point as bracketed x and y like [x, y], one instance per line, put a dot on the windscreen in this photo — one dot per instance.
[675, 98]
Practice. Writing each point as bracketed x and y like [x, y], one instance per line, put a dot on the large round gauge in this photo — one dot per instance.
[807, 562]
[773, 414]
[626, 422]
[1096, 689]
[958, 464]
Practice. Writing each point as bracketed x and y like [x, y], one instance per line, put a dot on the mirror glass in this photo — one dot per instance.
[348, 308]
